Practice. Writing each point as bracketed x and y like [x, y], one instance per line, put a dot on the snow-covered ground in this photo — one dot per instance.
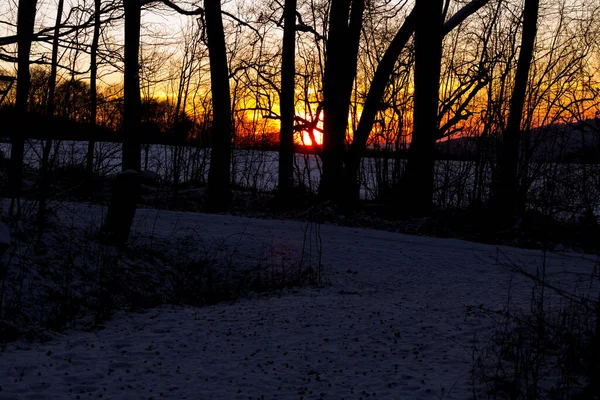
[396, 322]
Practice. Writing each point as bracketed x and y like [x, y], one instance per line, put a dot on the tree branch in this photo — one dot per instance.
[463, 14]
[175, 7]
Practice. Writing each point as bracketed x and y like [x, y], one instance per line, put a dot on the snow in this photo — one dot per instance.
[395, 322]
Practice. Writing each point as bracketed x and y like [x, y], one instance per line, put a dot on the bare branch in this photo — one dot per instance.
[175, 7]
[462, 14]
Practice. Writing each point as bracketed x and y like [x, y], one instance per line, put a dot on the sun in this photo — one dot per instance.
[304, 138]
[311, 133]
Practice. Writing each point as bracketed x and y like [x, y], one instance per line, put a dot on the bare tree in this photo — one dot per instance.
[380, 81]
[25, 24]
[126, 186]
[44, 183]
[345, 23]
[93, 89]
[419, 173]
[218, 177]
[187, 68]
[288, 73]
[506, 192]
[132, 100]
[372, 103]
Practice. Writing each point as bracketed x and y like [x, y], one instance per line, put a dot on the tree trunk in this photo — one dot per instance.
[419, 174]
[345, 23]
[89, 168]
[126, 190]
[131, 100]
[25, 24]
[126, 186]
[505, 197]
[220, 160]
[54, 64]
[44, 183]
[288, 73]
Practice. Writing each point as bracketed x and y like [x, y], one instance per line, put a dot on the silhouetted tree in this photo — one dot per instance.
[44, 183]
[180, 123]
[93, 88]
[288, 72]
[419, 174]
[505, 200]
[132, 100]
[372, 104]
[380, 81]
[220, 160]
[126, 185]
[25, 24]
[345, 23]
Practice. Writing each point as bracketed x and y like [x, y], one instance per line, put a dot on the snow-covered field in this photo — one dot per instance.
[396, 322]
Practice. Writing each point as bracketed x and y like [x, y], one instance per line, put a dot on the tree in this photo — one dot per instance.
[372, 104]
[93, 87]
[180, 123]
[419, 173]
[288, 72]
[127, 185]
[132, 101]
[505, 200]
[44, 183]
[380, 81]
[220, 160]
[25, 25]
[345, 23]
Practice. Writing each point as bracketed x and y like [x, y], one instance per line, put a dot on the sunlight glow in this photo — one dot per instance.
[305, 139]
[303, 136]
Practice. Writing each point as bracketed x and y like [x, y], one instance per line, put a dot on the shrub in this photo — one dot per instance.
[547, 351]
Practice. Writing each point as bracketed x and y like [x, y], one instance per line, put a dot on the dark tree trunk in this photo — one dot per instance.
[220, 160]
[419, 174]
[379, 83]
[504, 202]
[25, 24]
[93, 92]
[44, 183]
[54, 65]
[126, 186]
[131, 100]
[288, 73]
[345, 23]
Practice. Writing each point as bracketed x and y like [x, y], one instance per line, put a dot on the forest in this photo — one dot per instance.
[469, 119]
[509, 87]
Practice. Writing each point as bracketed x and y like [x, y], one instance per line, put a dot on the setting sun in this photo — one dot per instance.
[304, 138]
[308, 128]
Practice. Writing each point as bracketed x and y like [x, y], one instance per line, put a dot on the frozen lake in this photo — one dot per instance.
[570, 189]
